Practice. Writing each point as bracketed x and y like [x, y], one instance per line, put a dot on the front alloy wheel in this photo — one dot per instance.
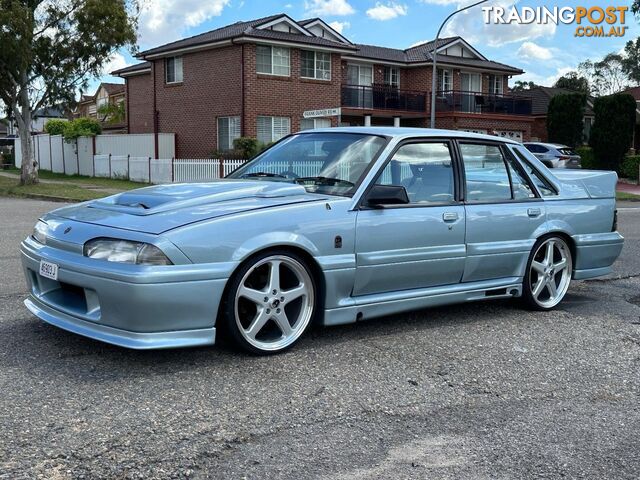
[273, 303]
[548, 273]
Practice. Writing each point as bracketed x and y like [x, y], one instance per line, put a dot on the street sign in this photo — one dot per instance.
[323, 112]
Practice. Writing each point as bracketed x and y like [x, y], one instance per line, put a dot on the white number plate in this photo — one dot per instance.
[49, 270]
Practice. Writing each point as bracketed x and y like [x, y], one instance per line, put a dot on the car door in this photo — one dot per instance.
[504, 214]
[419, 244]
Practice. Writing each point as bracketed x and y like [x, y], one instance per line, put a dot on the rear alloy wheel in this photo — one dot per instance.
[271, 303]
[548, 273]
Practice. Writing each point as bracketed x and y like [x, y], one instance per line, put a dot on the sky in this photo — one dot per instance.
[544, 52]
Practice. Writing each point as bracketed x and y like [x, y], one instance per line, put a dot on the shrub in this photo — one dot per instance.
[81, 127]
[55, 127]
[630, 166]
[246, 146]
[587, 159]
[564, 119]
[612, 131]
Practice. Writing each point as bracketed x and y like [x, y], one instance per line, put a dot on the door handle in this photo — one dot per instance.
[534, 212]
[450, 216]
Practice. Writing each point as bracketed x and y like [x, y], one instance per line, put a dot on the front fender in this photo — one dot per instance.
[273, 240]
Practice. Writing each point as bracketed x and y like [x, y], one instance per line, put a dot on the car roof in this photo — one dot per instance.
[409, 132]
[551, 145]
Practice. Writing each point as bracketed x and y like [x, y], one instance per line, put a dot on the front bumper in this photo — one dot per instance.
[128, 305]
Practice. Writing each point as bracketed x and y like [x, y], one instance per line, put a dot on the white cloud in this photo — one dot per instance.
[163, 21]
[116, 62]
[339, 26]
[532, 50]
[386, 12]
[418, 43]
[328, 7]
[441, 2]
[470, 25]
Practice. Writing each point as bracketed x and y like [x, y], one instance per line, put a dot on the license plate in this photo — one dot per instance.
[49, 270]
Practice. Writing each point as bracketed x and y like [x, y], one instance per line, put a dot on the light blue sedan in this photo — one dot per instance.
[334, 226]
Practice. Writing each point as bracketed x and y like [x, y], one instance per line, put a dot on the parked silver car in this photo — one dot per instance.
[554, 155]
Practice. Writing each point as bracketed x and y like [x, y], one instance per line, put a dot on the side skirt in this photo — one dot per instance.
[379, 305]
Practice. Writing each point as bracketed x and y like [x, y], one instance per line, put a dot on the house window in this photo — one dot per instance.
[445, 80]
[392, 77]
[228, 131]
[92, 109]
[173, 69]
[272, 60]
[360, 75]
[271, 129]
[310, 123]
[496, 84]
[315, 65]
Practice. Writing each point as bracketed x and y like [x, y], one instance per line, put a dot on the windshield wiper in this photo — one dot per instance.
[325, 181]
[262, 174]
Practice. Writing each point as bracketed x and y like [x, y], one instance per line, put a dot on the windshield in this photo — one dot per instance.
[327, 163]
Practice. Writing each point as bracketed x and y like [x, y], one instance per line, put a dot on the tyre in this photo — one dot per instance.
[548, 273]
[270, 302]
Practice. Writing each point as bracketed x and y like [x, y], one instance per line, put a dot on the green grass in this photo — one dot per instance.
[627, 196]
[11, 188]
[84, 180]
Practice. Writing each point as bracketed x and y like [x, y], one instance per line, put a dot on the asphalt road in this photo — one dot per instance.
[482, 390]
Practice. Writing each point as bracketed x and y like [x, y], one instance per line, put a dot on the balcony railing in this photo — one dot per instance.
[382, 97]
[474, 102]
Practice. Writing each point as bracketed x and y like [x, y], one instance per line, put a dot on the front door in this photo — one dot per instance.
[504, 215]
[404, 247]
[471, 84]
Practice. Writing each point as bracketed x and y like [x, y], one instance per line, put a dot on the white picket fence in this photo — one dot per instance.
[162, 170]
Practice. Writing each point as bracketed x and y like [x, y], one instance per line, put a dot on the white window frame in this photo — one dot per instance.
[231, 135]
[391, 71]
[442, 85]
[496, 81]
[273, 129]
[177, 60]
[315, 122]
[273, 50]
[361, 67]
[315, 65]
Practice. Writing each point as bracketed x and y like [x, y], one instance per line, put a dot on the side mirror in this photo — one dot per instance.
[387, 195]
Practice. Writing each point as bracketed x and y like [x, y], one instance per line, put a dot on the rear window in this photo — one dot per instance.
[536, 148]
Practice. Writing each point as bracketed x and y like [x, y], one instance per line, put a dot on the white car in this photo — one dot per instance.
[554, 155]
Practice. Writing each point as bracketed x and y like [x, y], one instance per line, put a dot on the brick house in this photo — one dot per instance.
[268, 77]
[540, 98]
[113, 93]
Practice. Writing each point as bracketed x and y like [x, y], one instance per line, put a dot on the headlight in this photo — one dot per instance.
[39, 232]
[125, 251]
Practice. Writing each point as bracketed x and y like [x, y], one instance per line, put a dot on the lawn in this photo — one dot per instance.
[627, 196]
[11, 188]
[81, 179]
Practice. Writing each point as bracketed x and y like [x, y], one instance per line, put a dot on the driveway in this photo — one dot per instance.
[482, 390]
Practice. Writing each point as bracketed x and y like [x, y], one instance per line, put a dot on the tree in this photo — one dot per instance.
[631, 60]
[521, 86]
[573, 81]
[112, 112]
[81, 127]
[565, 119]
[50, 49]
[606, 76]
[612, 130]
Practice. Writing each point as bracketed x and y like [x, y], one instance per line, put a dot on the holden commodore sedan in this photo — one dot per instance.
[330, 226]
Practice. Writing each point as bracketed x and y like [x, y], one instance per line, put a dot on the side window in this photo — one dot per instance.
[424, 169]
[545, 189]
[520, 185]
[486, 173]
